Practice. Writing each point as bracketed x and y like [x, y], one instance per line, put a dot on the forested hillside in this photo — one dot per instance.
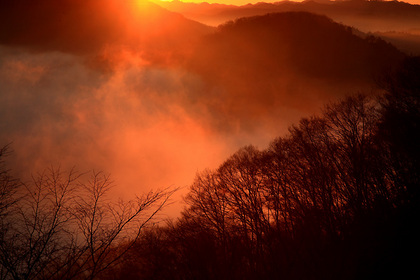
[265, 65]
[335, 198]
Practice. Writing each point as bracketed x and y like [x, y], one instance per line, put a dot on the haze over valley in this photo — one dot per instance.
[151, 94]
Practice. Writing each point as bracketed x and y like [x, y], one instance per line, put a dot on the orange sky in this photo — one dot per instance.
[244, 2]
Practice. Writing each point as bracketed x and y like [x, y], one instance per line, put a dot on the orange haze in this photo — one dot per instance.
[152, 97]
[244, 2]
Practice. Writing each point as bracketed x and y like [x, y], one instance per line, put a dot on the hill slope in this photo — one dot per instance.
[364, 15]
[294, 60]
[86, 26]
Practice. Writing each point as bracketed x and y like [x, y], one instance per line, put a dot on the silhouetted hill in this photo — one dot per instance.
[409, 42]
[86, 26]
[364, 15]
[292, 60]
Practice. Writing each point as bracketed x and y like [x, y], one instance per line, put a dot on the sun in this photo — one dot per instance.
[145, 4]
[141, 10]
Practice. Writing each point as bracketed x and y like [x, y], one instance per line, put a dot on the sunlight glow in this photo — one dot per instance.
[245, 2]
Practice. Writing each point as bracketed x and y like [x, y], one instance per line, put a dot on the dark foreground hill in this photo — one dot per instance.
[266, 63]
[89, 26]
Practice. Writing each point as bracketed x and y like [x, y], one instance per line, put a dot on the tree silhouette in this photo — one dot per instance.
[335, 198]
[400, 127]
[61, 226]
[326, 201]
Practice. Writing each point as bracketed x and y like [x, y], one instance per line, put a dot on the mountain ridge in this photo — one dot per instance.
[264, 63]
[369, 12]
[86, 26]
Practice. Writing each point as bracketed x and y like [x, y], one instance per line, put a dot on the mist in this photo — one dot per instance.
[152, 97]
[136, 121]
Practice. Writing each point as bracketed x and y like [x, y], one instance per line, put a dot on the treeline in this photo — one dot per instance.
[336, 198]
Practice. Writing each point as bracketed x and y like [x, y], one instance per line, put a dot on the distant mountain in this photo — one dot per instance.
[276, 65]
[364, 15]
[409, 42]
[293, 60]
[86, 26]
[396, 22]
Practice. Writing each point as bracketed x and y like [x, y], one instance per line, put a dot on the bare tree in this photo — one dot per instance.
[8, 185]
[308, 187]
[104, 224]
[66, 227]
[8, 198]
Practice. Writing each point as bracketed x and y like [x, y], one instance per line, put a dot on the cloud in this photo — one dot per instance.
[149, 114]
[137, 122]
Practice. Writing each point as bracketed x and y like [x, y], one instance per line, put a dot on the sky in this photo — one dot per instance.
[244, 2]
